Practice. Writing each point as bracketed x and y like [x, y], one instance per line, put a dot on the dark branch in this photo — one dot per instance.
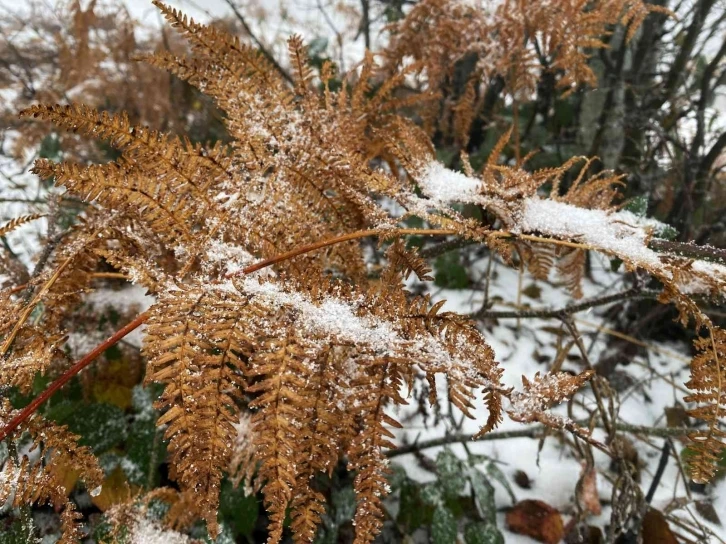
[259, 44]
[546, 313]
[531, 432]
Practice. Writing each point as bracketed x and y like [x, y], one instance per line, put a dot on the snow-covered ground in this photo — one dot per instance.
[655, 383]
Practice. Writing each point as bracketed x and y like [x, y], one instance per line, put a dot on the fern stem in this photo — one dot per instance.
[82, 363]
[389, 232]
[337, 240]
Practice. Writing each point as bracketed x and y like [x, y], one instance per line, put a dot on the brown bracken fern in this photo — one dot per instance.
[264, 315]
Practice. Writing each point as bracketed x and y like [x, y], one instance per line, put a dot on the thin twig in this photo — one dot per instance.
[689, 250]
[531, 432]
[444, 247]
[662, 463]
[594, 383]
[546, 313]
[259, 44]
[337, 240]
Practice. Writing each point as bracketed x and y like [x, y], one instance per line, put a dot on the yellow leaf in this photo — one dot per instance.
[115, 490]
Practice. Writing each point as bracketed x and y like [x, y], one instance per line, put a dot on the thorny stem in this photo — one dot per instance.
[570, 324]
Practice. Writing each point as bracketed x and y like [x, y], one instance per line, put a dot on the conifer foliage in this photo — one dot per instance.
[263, 304]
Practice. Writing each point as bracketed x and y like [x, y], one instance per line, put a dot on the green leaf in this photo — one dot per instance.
[449, 273]
[413, 511]
[343, 503]
[483, 495]
[432, 494]
[317, 50]
[495, 472]
[340, 511]
[101, 426]
[397, 478]
[564, 112]
[237, 510]
[113, 353]
[145, 452]
[638, 206]
[443, 527]
[482, 533]
[15, 533]
[145, 449]
[226, 536]
[667, 232]
[50, 148]
[450, 473]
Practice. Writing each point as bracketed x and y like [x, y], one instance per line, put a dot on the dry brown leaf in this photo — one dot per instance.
[537, 520]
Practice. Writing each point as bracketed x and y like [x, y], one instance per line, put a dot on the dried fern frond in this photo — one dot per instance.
[195, 351]
[708, 381]
[42, 480]
[541, 393]
[315, 351]
[17, 222]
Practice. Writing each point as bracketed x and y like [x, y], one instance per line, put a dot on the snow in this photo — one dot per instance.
[553, 469]
[146, 531]
[656, 384]
[332, 317]
[619, 233]
[444, 186]
[347, 321]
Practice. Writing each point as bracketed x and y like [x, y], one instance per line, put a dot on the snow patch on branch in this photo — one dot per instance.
[620, 233]
[444, 186]
[346, 321]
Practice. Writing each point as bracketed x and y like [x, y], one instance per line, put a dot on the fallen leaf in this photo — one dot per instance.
[522, 480]
[708, 512]
[537, 520]
[677, 416]
[588, 534]
[655, 529]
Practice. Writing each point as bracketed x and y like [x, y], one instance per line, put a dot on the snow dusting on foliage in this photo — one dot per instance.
[444, 186]
[146, 531]
[617, 232]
